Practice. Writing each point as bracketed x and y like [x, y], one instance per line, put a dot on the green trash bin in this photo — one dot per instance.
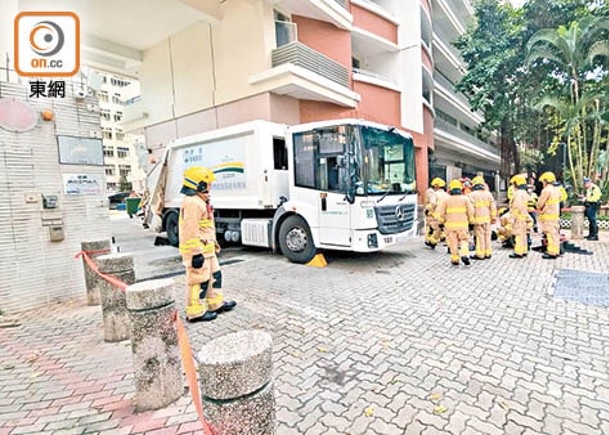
[133, 205]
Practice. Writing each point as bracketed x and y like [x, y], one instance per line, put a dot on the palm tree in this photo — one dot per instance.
[576, 57]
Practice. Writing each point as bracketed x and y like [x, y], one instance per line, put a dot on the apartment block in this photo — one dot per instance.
[203, 65]
[122, 150]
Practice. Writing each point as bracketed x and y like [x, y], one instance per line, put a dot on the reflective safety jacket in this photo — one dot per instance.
[456, 213]
[197, 229]
[518, 205]
[593, 194]
[549, 203]
[485, 208]
[438, 198]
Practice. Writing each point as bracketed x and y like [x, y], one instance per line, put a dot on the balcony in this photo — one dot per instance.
[331, 11]
[364, 76]
[303, 73]
[462, 141]
[453, 102]
[447, 58]
[299, 54]
[375, 30]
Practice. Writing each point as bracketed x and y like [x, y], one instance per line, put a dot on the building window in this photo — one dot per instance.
[110, 171]
[116, 99]
[118, 116]
[106, 133]
[108, 152]
[115, 81]
[111, 186]
[119, 134]
[103, 96]
[122, 152]
[124, 170]
[285, 30]
[105, 114]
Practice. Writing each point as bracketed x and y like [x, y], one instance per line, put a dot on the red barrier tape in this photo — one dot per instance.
[112, 280]
[183, 342]
[191, 373]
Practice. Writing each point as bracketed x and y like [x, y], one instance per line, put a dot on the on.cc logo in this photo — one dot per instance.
[47, 38]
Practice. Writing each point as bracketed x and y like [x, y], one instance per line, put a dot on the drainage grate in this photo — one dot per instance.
[589, 288]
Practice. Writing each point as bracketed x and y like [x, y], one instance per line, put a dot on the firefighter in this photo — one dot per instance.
[429, 197]
[456, 214]
[548, 207]
[532, 205]
[434, 234]
[504, 232]
[485, 214]
[198, 246]
[520, 216]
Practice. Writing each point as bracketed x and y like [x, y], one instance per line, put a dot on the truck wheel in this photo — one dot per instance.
[295, 240]
[172, 227]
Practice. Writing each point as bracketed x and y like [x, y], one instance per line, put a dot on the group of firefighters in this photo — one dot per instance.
[469, 206]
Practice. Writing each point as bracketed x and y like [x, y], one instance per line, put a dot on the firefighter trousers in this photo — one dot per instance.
[519, 230]
[458, 243]
[203, 288]
[551, 228]
[483, 240]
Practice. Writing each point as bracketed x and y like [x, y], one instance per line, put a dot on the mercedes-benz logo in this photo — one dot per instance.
[400, 214]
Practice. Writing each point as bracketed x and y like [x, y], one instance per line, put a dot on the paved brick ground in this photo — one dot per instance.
[394, 343]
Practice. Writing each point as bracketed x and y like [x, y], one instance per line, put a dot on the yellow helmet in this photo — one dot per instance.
[478, 181]
[197, 179]
[502, 211]
[455, 184]
[438, 182]
[519, 180]
[548, 177]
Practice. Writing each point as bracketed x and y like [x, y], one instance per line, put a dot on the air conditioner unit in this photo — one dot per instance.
[95, 134]
[80, 94]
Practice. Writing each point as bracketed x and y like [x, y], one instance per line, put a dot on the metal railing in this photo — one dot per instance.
[299, 54]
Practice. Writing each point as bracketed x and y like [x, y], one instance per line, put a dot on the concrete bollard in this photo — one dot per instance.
[577, 222]
[236, 383]
[92, 280]
[113, 301]
[154, 343]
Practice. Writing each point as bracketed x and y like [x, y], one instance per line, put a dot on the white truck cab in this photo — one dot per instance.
[345, 184]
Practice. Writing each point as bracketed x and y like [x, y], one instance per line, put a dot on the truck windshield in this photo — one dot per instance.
[389, 163]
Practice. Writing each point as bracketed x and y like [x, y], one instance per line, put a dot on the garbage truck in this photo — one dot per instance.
[345, 184]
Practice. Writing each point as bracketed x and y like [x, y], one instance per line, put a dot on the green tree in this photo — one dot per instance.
[497, 81]
[124, 185]
[576, 56]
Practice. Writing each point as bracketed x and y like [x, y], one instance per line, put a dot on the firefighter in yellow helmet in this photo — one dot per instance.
[548, 207]
[198, 246]
[434, 233]
[520, 216]
[456, 214]
[485, 214]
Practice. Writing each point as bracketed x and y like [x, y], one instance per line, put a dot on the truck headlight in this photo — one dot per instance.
[373, 241]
